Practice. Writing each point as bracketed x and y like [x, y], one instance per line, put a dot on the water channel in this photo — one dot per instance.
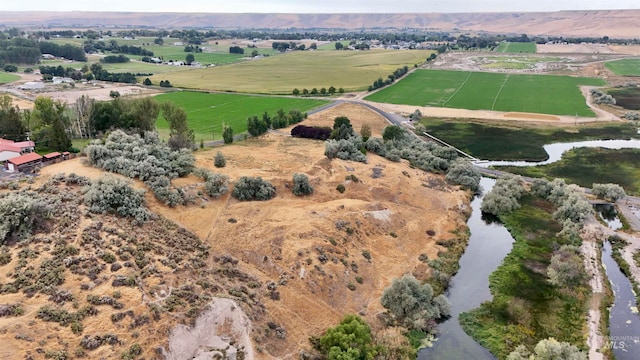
[555, 151]
[489, 243]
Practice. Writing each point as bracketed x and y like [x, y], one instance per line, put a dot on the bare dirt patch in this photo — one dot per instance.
[531, 116]
[626, 49]
[574, 49]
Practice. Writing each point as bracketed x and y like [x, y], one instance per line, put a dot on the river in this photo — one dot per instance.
[488, 245]
[555, 151]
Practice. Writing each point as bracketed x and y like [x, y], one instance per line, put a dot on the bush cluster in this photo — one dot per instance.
[504, 196]
[601, 98]
[345, 149]
[253, 188]
[414, 305]
[21, 213]
[311, 132]
[463, 173]
[144, 158]
[215, 185]
[571, 206]
[115, 196]
[610, 192]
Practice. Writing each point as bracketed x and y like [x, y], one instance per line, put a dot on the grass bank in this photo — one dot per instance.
[497, 141]
[525, 307]
[585, 166]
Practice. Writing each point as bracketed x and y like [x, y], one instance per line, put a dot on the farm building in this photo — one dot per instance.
[10, 149]
[24, 162]
[53, 157]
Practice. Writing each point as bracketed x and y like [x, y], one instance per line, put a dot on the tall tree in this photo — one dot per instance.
[180, 134]
[11, 126]
[49, 124]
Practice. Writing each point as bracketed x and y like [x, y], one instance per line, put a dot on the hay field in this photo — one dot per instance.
[207, 112]
[544, 94]
[351, 70]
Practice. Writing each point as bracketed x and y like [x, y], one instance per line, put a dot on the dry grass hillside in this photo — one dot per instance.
[596, 23]
[302, 262]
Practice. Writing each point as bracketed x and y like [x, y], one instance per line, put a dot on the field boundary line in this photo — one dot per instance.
[458, 89]
[499, 91]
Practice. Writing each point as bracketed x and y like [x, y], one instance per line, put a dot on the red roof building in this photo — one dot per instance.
[53, 155]
[23, 162]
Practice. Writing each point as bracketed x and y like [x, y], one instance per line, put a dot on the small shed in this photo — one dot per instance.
[24, 162]
[52, 157]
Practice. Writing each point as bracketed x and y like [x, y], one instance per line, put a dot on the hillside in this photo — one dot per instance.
[594, 23]
[295, 265]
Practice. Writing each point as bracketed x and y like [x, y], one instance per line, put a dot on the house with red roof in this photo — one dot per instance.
[11, 149]
[24, 162]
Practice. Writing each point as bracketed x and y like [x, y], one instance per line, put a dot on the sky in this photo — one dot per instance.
[317, 6]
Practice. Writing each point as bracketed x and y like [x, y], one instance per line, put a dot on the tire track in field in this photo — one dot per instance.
[499, 91]
[458, 89]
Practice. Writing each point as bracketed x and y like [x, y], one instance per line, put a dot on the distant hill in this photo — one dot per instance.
[592, 23]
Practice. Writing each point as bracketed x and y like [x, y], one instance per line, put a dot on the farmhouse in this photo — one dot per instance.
[10, 149]
[24, 162]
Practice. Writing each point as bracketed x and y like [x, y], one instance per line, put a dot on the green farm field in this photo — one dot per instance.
[351, 70]
[207, 112]
[7, 77]
[516, 47]
[624, 67]
[544, 94]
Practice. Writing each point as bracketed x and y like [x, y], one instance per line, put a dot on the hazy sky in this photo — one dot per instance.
[317, 6]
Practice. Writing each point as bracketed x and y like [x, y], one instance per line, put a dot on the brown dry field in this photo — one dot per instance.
[626, 49]
[575, 49]
[281, 239]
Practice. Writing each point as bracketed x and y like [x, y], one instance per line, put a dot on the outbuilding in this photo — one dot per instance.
[24, 162]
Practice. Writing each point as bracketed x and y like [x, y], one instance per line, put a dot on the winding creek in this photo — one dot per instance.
[490, 243]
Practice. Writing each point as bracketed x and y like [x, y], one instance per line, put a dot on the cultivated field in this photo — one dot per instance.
[624, 67]
[628, 97]
[351, 70]
[516, 47]
[6, 77]
[545, 94]
[208, 112]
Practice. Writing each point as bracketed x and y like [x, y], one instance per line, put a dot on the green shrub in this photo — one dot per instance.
[219, 161]
[216, 185]
[115, 196]
[340, 188]
[253, 188]
[21, 214]
[301, 185]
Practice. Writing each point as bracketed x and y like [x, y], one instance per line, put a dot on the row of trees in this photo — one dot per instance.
[257, 126]
[315, 92]
[397, 74]
[114, 59]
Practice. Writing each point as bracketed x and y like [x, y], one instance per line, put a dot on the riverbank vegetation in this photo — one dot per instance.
[585, 166]
[527, 307]
[493, 141]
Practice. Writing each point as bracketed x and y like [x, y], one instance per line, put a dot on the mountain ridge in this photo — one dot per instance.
[575, 23]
